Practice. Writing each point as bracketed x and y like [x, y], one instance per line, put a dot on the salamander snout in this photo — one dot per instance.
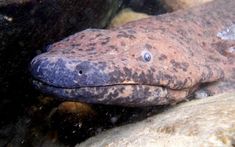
[67, 73]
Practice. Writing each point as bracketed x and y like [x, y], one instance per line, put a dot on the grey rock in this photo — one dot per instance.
[202, 122]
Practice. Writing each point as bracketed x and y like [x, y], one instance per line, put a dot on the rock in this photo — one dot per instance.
[201, 122]
[125, 16]
[81, 109]
[183, 4]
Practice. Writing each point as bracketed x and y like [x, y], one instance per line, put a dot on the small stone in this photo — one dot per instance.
[76, 107]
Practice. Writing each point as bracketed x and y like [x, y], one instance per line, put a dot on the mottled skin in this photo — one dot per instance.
[159, 60]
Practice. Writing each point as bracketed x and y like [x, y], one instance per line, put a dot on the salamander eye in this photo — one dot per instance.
[147, 57]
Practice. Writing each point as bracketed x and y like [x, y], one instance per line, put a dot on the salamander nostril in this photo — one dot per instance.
[80, 72]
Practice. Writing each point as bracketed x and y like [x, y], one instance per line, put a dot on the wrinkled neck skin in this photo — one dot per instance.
[159, 60]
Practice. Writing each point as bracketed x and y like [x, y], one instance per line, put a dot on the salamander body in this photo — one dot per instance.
[154, 61]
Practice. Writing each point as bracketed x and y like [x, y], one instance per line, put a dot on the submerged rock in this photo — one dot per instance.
[201, 122]
[125, 16]
[82, 109]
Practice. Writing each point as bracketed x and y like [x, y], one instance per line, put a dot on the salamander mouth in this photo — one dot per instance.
[127, 94]
[39, 84]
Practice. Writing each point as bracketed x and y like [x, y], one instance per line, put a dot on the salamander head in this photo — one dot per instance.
[125, 67]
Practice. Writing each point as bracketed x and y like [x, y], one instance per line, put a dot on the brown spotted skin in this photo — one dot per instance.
[159, 60]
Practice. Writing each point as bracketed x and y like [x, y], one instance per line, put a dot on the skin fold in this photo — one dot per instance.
[154, 61]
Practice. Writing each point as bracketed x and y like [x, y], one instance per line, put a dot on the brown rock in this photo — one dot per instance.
[84, 110]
